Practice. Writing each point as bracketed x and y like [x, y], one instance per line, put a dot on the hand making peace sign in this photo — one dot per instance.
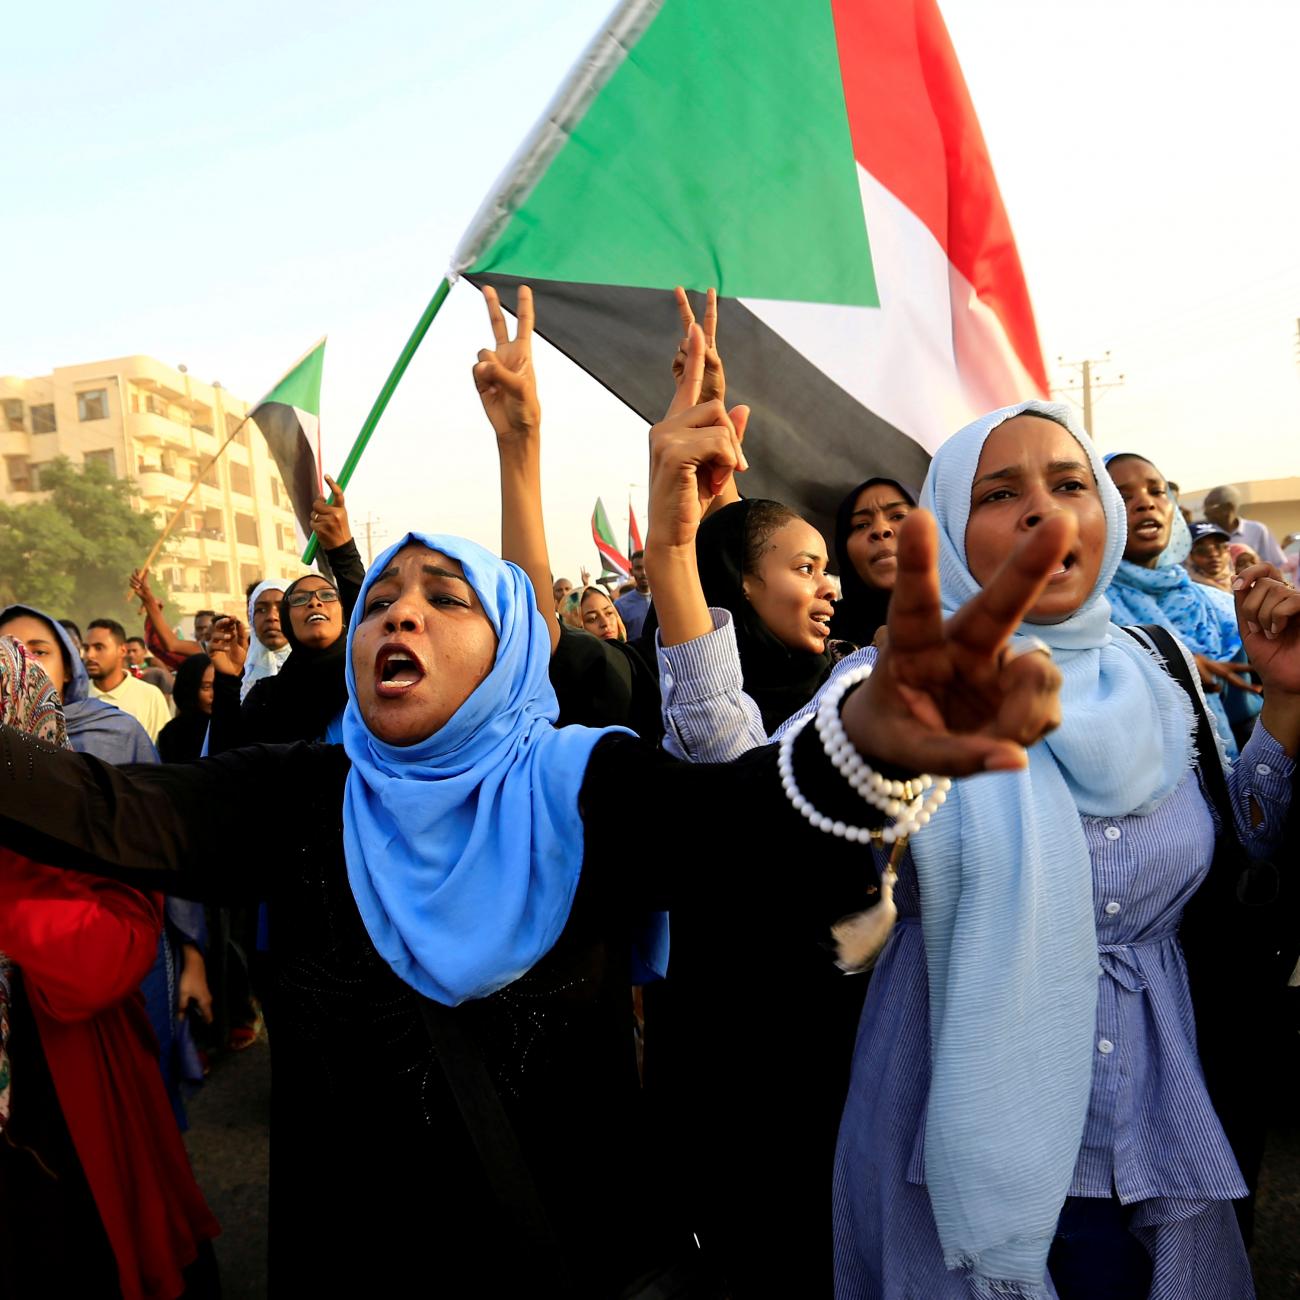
[694, 450]
[713, 383]
[504, 375]
[949, 696]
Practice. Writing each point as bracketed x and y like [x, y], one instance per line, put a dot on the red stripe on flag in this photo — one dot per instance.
[634, 542]
[914, 129]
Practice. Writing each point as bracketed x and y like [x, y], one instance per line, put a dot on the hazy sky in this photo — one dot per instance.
[220, 185]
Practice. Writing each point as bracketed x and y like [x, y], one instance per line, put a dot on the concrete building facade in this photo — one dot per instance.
[159, 427]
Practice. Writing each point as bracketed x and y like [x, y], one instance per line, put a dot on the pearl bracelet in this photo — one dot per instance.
[910, 803]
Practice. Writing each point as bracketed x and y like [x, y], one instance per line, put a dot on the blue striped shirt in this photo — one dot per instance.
[1151, 1131]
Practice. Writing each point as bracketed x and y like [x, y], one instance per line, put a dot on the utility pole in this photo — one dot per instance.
[1089, 381]
[373, 530]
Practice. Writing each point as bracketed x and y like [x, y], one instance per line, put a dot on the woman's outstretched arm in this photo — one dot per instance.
[164, 827]
[945, 697]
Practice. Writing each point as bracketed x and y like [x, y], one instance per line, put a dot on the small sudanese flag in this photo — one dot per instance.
[289, 418]
[612, 560]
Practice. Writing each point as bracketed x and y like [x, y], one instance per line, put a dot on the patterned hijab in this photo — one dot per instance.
[29, 704]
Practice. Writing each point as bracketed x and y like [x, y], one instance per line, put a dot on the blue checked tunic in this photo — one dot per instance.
[1151, 1135]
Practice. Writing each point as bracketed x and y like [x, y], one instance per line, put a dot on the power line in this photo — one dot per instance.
[1089, 381]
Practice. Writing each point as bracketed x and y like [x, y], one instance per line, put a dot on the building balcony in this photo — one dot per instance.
[147, 427]
[154, 485]
[184, 547]
[15, 444]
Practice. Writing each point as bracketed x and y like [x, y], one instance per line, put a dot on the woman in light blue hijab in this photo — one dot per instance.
[1151, 586]
[1027, 1115]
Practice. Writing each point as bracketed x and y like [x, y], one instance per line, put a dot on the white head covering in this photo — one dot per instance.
[262, 661]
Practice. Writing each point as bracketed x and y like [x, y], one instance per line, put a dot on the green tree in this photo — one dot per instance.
[72, 552]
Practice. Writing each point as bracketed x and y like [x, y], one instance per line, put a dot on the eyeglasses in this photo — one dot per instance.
[324, 594]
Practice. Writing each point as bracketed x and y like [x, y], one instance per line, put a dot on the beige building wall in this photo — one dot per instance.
[1275, 502]
[159, 426]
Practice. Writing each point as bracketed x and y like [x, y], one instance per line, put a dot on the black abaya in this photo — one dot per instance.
[376, 1184]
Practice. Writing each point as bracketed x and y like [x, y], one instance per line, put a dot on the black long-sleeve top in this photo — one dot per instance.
[376, 1183]
[273, 713]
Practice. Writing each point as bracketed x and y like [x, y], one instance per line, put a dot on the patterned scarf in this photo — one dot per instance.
[29, 704]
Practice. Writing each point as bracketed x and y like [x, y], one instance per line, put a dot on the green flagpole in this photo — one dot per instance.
[344, 476]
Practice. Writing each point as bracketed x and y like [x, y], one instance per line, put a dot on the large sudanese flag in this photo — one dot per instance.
[820, 163]
[289, 418]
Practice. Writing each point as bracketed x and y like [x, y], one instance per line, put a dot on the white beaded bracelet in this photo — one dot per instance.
[910, 803]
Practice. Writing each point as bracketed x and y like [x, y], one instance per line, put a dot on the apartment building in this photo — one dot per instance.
[159, 427]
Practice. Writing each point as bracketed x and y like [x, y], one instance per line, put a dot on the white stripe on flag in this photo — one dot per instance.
[899, 360]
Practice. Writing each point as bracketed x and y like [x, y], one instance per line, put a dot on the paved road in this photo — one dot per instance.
[229, 1127]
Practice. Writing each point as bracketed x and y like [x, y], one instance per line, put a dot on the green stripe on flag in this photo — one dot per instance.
[717, 154]
[301, 386]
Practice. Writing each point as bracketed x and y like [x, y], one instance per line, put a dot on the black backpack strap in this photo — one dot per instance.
[1162, 643]
[525, 1219]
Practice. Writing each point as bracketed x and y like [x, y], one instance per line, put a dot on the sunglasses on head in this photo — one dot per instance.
[323, 594]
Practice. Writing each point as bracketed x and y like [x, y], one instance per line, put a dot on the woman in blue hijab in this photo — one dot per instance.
[1151, 586]
[456, 1088]
[1028, 1116]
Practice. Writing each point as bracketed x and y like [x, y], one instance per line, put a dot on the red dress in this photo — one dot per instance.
[83, 944]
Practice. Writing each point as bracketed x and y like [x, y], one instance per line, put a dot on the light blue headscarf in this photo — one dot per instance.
[1007, 908]
[1203, 618]
[464, 849]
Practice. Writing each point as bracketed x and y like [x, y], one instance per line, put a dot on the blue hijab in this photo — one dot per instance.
[94, 726]
[1007, 907]
[1202, 618]
[464, 849]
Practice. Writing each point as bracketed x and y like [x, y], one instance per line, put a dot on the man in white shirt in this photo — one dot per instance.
[1221, 505]
[109, 680]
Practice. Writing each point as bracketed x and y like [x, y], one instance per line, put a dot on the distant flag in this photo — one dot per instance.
[873, 298]
[611, 559]
[634, 543]
[289, 418]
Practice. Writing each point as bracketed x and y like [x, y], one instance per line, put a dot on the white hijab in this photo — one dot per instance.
[262, 661]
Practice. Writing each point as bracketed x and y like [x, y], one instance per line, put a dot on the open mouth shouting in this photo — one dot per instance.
[397, 670]
[1149, 529]
[821, 621]
[1064, 571]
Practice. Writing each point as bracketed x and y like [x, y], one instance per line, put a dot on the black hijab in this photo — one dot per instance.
[862, 608]
[181, 740]
[779, 680]
[308, 692]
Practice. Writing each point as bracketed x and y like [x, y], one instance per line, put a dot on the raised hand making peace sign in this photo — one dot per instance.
[949, 696]
[694, 450]
[713, 383]
[504, 375]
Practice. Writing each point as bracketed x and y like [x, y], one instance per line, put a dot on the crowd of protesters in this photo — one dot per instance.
[900, 914]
